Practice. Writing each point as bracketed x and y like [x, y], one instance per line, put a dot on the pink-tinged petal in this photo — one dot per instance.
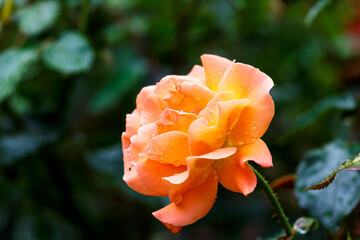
[173, 120]
[205, 137]
[196, 203]
[168, 84]
[170, 147]
[249, 82]
[214, 67]
[137, 143]
[189, 97]
[151, 109]
[134, 182]
[198, 169]
[235, 175]
[133, 122]
[132, 126]
[145, 134]
[142, 96]
[198, 73]
[151, 173]
[125, 140]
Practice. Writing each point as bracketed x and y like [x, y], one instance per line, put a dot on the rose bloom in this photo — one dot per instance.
[189, 133]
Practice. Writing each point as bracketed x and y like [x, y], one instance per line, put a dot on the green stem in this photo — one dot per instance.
[274, 201]
[85, 8]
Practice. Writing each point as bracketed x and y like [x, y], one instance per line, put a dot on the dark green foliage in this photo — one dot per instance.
[70, 54]
[70, 71]
[342, 102]
[316, 10]
[13, 65]
[15, 147]
[35, 19]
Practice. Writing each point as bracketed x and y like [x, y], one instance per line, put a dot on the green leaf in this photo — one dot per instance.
[305, 225]
[315, 10]
[340, 102]
[332, 204]
[14, 147]
[13, 65]
[38, 17]
[126, 73]
[70, 54]
[352, 164]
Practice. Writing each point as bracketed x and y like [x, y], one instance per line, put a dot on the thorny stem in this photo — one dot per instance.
[274, 201]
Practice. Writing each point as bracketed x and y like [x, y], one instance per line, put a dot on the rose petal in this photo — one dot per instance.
[198, 73]
[125, 140]
[214, 67]
[196, 203]
[168, 84]
[141, 97]
[189, 97]
[134, 182]
[133, 122]
[248, 82]
[173, 120]
[235, 175]
[145, 134]
[211, 112]
[198, 169]
[151, 173]
[170, 147]
[253, 121]
[151, 109]
[205, 137]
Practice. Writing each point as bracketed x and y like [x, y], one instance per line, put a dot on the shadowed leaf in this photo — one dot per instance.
[127, 71]
[39, 17]
[13, 65]
[70, 54]
[315, 10]
[332, 204]
[14, 147]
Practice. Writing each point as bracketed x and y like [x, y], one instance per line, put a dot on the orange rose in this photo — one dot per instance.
[190, 132]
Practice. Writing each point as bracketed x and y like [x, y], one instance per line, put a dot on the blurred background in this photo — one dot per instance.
[70, 71]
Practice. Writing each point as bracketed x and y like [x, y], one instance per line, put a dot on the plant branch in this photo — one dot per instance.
[274, 201]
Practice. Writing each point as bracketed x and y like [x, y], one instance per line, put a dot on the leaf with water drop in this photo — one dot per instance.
[331, 204]
[352, 164]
